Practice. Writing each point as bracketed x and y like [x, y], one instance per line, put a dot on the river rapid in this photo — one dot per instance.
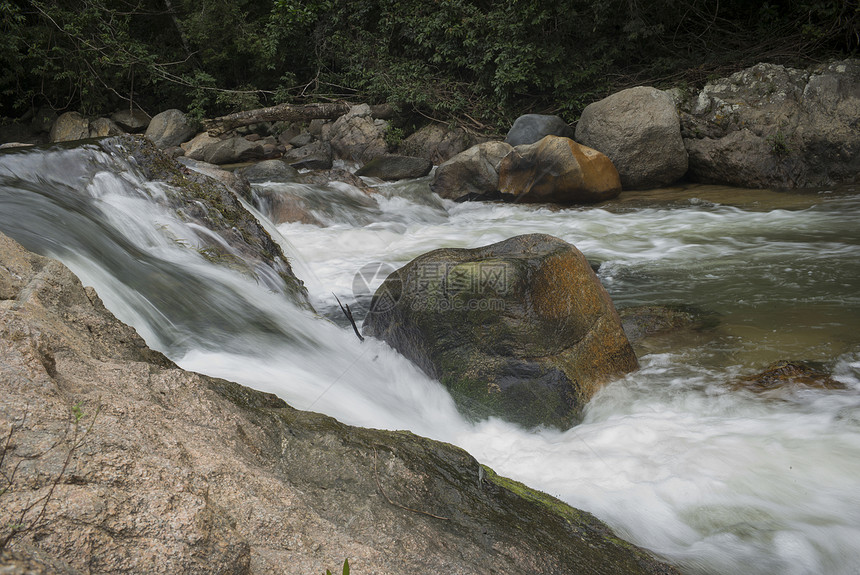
[716, 479]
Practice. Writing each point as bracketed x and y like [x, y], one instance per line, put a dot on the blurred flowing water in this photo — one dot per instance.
[714, 478]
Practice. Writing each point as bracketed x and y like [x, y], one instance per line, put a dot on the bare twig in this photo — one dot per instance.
[348, 313]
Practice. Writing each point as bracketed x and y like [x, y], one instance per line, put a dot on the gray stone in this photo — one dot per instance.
[471, 174]
[232, 150]
[69, 127]
[302, 139]
[197, 146]
[132, 121]
[270, 171]
[531, 128]
[521, 329]
[103, 127]
[639, 130]
[315, 156]
[437, 143]
[356, 136]
[395, 167]
[773, 126]
[170, 128]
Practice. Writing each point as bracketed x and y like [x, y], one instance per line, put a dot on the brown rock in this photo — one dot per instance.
[558, 170]
[784, 375]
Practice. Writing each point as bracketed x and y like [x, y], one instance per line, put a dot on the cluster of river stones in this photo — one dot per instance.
[523, 329]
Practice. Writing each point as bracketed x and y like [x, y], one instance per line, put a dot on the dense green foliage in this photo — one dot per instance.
[477, 60]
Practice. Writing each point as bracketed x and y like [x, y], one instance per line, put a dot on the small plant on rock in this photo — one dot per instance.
[345, 568]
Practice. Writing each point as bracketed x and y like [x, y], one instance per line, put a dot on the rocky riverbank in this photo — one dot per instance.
[765, 126]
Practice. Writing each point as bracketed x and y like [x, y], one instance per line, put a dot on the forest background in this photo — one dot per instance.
[476, 62]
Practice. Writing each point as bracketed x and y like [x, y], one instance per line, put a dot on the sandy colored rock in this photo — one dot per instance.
[69, 127]
[639, 130]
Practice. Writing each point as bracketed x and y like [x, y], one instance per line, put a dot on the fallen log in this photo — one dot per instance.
[287, 113]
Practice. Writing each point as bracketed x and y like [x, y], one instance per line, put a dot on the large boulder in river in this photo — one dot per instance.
[170, 128]
[558, 170]
[531, 128]
[472, 174]
[146, 468]
[357, 136]
[70, 126]
[639, 130]
[773, 126]
[521, 329]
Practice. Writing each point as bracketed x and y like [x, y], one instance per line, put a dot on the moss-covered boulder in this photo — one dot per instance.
[521, 329]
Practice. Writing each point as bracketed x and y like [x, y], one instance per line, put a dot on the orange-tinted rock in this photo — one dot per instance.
[521, 329]
[558, 170]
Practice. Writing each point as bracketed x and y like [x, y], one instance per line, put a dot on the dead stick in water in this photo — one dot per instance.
[348, 313]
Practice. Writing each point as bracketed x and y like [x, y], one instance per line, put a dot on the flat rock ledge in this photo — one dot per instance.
[176, 472]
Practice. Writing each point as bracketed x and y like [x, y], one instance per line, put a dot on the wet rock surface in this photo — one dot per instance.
[175, 472]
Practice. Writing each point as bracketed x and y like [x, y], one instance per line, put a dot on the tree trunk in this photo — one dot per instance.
[286, 113]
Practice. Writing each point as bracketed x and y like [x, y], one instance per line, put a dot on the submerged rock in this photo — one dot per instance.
[640, 322]
[174, 472]
[271, 171]
[784, 374]
[521, 329]
[558, 170]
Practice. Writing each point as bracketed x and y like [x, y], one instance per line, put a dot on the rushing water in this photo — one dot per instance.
[716, 479]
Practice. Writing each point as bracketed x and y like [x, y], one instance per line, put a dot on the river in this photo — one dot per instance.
[716, 479]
